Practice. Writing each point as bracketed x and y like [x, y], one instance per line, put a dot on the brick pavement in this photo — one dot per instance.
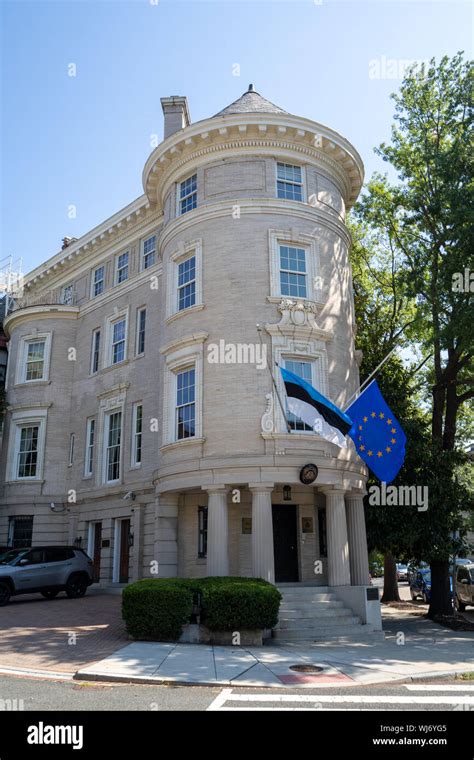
[37, 633]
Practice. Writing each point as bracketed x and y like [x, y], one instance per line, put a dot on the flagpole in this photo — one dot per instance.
[359, 390]
[283, 410]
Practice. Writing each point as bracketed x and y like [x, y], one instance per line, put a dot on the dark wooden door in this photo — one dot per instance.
[124, 550]
[285, 543]
[97, 550]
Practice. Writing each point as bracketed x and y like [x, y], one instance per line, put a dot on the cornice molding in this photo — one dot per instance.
[254, 206]
[184, 342]
[270, 131]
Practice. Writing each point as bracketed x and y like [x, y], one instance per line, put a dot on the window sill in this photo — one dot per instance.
[20, 481]
[190, 310]
[111, 367]
[29, 383]
[178, 444]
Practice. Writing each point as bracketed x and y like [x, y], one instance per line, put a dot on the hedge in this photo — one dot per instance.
[158, 608]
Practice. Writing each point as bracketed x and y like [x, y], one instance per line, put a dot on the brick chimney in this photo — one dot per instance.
[176, 113]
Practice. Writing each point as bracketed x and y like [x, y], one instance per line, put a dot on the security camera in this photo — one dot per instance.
[129, 495]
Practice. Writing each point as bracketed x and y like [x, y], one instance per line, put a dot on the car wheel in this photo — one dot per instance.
[50, 593]
[425, 598]
[413, 596]
[459, 605]
[76, 586]
[5, 594]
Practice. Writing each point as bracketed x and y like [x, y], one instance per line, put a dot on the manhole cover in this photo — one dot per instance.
[306, 668]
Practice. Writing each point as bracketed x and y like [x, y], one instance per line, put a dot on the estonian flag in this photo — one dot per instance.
[315, 410]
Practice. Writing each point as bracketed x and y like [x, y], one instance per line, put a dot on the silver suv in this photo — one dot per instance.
[464, 586]
[46, 569]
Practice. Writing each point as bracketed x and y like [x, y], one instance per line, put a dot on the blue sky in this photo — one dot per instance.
[83, 140]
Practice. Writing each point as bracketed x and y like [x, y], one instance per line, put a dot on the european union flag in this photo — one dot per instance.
[377, 434]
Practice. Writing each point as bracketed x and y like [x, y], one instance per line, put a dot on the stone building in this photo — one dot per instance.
[143, 420]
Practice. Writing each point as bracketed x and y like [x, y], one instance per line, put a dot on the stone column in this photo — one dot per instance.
[107, 552]
[136, 528]
[263, 563]
[358, 555]
[338, 546]
[217, 531]
[166, 534]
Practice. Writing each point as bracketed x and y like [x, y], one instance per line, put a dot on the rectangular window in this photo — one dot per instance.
[303, 370]
[72, 438]
[98, 281]
[20, 531]
[323, 547]
[121, 268]
[188, 194]
[119, 332]
[187, 283]
[137, 435]
[185, 404]
[95, 351]
[202, 532]
[289, 182]
[35, 354]
[27, 458]
[293, 271]
[90, 443]
[113, 439]
[67, 296]
[149, 251]
[141, 327]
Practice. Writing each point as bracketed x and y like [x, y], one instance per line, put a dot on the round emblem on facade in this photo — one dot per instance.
[308, 474]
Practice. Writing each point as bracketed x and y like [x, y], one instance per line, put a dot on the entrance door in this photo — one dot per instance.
[97, 550]
[285, 543]
[124, 551]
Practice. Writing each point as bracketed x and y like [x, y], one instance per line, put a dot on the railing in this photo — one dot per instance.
[49, 298]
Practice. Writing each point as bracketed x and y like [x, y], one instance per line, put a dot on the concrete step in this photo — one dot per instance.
[359, 636]
[313, 625]
[320, 632]
[340, 612]
[303, 590]
[314, 607]
[312, 597]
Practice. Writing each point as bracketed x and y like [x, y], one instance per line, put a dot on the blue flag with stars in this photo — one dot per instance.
[377, 434]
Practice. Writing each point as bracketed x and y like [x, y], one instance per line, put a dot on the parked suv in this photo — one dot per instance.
[464, 586]
[46, 569]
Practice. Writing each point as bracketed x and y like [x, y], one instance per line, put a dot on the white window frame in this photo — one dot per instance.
[188, 195]
[136, 434]
[294, 271]
[72, 440]
[180, 287]
[19, 420]
[314, 381]
[186, 251]
[142, 251]
[302, 184]
[95, 333]
[111, 321]
[107, 417]
[313, 278]
[23, 353]
[140, 311]
[119, 269]
[186, 354]
[91, 427]
[180, 371]
[67, 300]
[94, 283]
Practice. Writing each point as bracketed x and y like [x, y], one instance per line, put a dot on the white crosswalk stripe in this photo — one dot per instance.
[273, 701]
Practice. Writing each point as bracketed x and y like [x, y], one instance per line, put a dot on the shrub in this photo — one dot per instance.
[233, 604]
[157, 608]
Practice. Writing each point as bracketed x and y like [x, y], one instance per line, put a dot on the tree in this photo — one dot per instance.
[427, 220]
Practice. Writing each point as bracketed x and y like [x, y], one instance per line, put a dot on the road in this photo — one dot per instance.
[35, 694]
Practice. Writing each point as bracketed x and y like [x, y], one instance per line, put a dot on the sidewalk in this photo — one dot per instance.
[428, 651]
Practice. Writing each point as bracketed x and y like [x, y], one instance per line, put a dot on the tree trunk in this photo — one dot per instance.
[450, 418]
[439, 396]
[441, 602]
[390, 582]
